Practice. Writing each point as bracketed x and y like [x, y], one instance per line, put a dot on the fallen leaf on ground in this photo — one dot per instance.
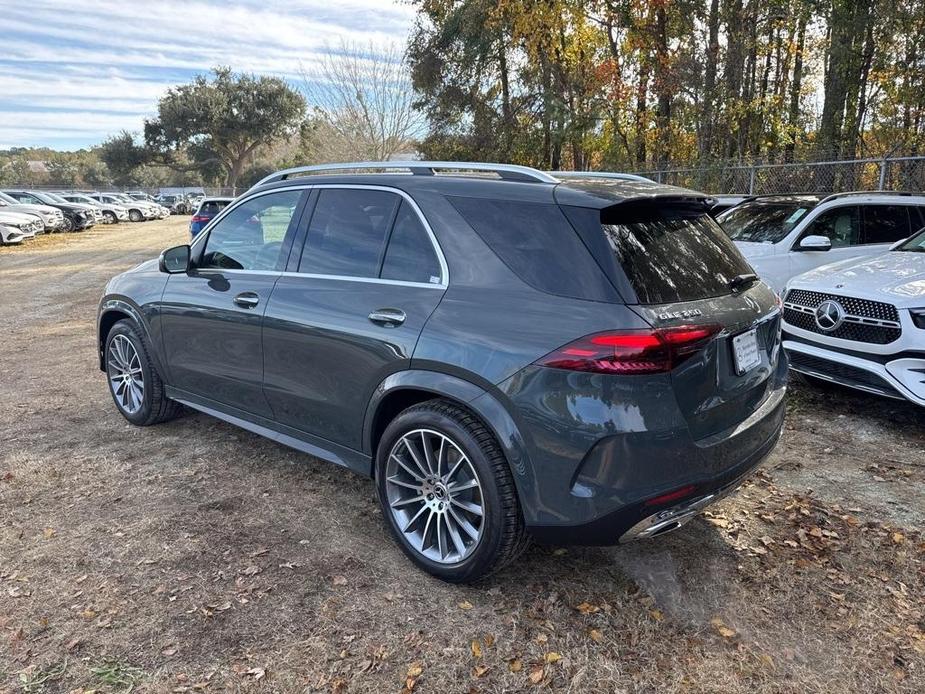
[587, 608]
[258, 673]
[721, 628]
[596, 635]
[339, 580]
[465, 605]
[536, 674]
[515, 665]
[476, 648]
[553, 657]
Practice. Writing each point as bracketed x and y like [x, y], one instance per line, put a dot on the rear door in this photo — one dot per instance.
[350, 309]
[212, 316]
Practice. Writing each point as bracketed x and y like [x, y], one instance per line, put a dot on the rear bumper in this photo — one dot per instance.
[592, 478]
[902, 377]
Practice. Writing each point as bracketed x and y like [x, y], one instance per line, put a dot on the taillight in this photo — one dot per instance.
[676, 495]
[200, 218]
[631, 352]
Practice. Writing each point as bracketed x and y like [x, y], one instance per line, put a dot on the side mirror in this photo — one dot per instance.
[174, 260]
[816, 243]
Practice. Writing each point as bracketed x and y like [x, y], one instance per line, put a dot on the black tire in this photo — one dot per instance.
[504, 536]
[135, 215]
[68, 224]
[110, 217]
[155, 407]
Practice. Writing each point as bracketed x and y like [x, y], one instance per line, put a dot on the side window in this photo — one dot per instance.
[840, 224]
[886, 223]
[410, 255]
[251, 236]
[347, 232]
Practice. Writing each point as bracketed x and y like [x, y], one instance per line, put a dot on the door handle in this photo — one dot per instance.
[247, 300]
[388, 317]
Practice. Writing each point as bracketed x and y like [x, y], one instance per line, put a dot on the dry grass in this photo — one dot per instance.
[196, 557]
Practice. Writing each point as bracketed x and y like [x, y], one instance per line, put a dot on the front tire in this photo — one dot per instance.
[135, 216]
[447, 493]
[134, 383]
[110, 217]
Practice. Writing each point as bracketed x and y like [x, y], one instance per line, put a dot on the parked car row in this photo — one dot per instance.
[25, 213]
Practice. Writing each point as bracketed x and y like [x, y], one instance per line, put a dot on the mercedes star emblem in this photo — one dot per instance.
[829, 315]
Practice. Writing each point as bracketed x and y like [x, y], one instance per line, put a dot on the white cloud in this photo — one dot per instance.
[83, 69]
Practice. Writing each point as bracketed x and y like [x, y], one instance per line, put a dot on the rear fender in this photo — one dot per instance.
[488, 406]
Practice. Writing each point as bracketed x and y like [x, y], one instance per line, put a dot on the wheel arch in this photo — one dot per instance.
[111, 311]
[406, 388]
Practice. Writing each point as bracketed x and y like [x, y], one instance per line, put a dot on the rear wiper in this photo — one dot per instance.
[741, 281]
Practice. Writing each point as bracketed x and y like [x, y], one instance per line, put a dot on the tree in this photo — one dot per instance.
[224, 119]
[123, 155]
[363, 103]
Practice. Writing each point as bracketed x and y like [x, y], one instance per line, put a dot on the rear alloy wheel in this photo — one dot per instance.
[447, 493]
[135, 215]
[135, 385]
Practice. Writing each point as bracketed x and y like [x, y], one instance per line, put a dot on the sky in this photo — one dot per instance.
[74, 72]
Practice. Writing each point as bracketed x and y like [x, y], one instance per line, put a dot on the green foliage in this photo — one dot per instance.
[222, 121]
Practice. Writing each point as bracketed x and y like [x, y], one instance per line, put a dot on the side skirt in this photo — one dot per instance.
[299, 440]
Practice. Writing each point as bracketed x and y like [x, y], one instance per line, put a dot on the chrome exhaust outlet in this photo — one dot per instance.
[667, 520]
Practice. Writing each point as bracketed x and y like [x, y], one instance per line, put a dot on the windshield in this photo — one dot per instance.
[763, 222]
[8, 200]
[44, 197]
[55, 197]
[914, 245]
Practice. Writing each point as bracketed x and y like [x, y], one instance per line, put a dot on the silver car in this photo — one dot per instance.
[112, 213]
[52, 218]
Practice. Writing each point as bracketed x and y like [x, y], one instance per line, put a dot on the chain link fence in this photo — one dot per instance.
[894, 173]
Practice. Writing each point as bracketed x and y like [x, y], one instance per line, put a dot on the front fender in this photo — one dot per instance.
[489, 406]
[125, 307]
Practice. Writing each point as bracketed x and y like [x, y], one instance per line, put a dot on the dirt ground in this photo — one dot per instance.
[194, 556]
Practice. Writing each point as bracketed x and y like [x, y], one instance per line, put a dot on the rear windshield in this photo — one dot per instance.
[671, 253]
[213, 207]
[763, 222]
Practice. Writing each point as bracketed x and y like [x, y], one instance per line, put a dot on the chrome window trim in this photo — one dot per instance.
[441, 258]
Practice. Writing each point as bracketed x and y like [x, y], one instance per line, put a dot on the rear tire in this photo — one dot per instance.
[455, 512]
[134, 383]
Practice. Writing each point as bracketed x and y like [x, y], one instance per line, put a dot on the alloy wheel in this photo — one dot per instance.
[126, 379]
[435, 496]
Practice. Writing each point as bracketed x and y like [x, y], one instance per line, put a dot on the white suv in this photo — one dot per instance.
[861, 323]
[783, 236]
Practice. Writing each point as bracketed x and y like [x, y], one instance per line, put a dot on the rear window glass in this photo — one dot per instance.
[762, 222]
[213, 207]
[410, 255]
[536, 241]
[671, 254]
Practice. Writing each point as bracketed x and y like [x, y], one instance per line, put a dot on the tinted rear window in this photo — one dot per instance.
[536, 241]
[671, 254]
[212, 208]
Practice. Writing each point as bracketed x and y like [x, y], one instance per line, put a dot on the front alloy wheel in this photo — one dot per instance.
[126, 378]
[434, 495]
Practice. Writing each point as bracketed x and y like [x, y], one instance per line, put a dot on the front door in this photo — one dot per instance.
[842, 226]
[212, 316]
[367, 279]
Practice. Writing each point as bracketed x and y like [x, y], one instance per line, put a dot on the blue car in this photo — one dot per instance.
[208, 208]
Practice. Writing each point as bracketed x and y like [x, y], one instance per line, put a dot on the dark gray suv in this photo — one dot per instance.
[506, 353]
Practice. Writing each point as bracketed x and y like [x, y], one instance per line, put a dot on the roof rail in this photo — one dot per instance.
[511, 172]
[849, 193]
[601, 174]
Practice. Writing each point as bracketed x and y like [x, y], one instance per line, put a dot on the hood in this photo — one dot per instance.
[897, 277]
[17, 217]
[753, 249]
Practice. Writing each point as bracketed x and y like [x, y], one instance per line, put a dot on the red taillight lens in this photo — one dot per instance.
[200, 218]
[631, 351]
